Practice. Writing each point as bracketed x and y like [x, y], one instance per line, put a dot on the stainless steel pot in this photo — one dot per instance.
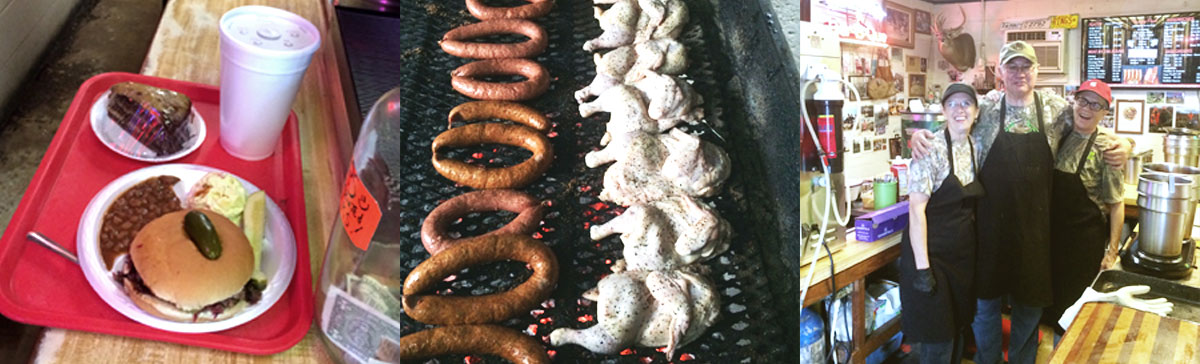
[1164, 200]
[1189, 216]
[1133, 167]
[1182, 146]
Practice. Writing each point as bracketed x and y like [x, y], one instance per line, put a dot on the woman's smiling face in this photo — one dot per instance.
[960, 112]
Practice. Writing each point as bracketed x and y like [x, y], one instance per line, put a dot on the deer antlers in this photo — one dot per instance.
[939, 27]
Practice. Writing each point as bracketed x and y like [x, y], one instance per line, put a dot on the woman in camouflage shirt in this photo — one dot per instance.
[937, 265]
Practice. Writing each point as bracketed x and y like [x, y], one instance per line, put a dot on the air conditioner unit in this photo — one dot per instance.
[1048, 44]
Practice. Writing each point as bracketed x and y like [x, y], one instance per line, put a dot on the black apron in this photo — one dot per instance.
[1080, 232]
[950, 215]
[1014, 217]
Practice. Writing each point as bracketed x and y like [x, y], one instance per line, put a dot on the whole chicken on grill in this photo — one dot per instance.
[651, 167]
[648, 309]
[628, 113]
[666, 234]
[629, 63]
[670, 99]
[618, 23]
[629, 21]
[661, 19]
[656, 100]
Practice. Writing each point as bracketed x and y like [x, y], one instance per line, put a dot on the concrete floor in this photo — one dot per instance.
[101, 36]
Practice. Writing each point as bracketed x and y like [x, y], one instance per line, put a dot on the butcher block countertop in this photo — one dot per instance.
[185, 47]
[1108, 333]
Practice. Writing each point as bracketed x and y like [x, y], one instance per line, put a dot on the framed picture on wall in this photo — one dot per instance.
[1187, 119]
[921, 22]
[1154, 97]
[1129, 116]
[916, 86]
[898, 25]
[1174, 97]
[1160, 118]
[912, 64]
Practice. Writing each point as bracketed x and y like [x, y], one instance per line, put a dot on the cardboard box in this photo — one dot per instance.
[881, 223]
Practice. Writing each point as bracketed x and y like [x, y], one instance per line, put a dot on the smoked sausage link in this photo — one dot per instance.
[534, 9]
[454, 42]
[536, 82]
[479, 177]
[461, 310]
[529, 212]
[472, 340]
[504, 110]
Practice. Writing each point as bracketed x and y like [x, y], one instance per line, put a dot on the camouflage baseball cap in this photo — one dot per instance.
[1017, 49]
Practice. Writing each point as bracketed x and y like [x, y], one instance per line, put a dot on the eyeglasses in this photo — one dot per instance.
[1014, 68]
[957, 104]
[1094, 106]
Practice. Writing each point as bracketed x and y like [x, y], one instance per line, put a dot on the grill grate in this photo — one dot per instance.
[400, 49]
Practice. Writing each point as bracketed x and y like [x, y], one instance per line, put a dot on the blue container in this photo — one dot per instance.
[812, 337]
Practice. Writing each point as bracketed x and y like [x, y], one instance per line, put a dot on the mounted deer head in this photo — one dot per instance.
[956, 47]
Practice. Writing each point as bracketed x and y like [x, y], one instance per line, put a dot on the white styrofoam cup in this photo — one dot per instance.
[264, 54]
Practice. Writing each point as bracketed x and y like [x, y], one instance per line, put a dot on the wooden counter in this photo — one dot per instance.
[852, 264]
[1108, 333]
[185, 48]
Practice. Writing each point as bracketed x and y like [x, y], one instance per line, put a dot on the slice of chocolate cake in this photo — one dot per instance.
[156, 117]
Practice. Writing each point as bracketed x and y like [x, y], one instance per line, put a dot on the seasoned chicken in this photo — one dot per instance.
[630, 21]
[651, 167]
[662, 55]
[628, 113]
[661, 19]
[670, 99]
[666, 234]
[696, 167]
[648, 309]
[629, 63]
[618, 23]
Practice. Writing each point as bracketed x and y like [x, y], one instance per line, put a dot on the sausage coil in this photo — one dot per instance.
[480, 177]
[454, 41]
[534, 9]
[467, 339]
[511, 111]
[536, 82]
[529, 212]
[460, 310]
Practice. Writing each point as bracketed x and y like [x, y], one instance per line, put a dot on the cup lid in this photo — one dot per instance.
[270, 32]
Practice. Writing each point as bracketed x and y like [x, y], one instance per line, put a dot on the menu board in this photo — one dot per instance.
[1143, 50]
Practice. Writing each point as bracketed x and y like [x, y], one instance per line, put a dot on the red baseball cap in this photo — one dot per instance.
[1097, 86]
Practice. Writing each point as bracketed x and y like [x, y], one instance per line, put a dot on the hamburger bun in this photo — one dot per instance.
[166, 310]
[177, 273]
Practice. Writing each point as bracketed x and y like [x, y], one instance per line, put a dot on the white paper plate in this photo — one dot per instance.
[278, 254]
[118, 140]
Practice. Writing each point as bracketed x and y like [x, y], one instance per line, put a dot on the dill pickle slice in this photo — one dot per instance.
[202, 232]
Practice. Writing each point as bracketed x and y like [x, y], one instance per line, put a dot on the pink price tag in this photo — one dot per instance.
[360, 212]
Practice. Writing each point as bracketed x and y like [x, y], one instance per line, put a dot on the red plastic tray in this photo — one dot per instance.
[45, 289]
